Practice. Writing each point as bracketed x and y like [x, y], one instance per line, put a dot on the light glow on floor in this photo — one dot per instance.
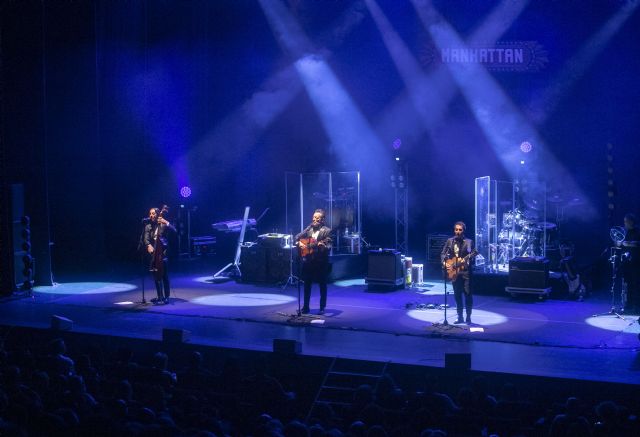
[610, 322]
[478, 317]
[243, 299]
[85, 288]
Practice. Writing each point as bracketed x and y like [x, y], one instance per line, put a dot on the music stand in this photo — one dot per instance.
[292, 279]
[235, 265]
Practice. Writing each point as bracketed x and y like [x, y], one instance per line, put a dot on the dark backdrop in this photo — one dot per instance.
[109, 107]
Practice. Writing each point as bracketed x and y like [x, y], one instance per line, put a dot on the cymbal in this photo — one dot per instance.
[555, 199]
[546, 226]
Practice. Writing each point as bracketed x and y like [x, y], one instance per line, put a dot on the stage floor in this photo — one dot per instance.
[552, 337]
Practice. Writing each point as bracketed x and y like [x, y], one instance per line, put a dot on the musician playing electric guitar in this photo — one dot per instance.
[156, 242]
[457, 256]
[314, 243]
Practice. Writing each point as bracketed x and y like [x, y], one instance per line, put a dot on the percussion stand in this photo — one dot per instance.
[613, 259]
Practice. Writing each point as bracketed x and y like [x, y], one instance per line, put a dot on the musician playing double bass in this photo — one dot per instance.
[456, 256]
[314, 243]
[631, 265]
[157, 243]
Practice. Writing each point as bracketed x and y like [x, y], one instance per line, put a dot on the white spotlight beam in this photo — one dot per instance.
[352, 139]
[580, 62]
[409, 116]
[229, 139]
[498, 117]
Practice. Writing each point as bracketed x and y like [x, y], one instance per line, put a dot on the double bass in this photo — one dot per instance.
[157, 257]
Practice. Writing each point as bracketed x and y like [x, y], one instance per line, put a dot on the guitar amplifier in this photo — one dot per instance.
[274, 240]
[529, 272]
[385, 269]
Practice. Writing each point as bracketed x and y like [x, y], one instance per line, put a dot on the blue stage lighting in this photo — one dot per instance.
[185, 192]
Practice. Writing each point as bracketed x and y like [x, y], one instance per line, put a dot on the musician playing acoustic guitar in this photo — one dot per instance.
[314, 243]
[456, 256]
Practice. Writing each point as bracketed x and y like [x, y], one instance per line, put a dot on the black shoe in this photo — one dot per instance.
[321, 312]
[165, 300]
[305, 310]
[468, 320]
[155, 300]
[459, 321]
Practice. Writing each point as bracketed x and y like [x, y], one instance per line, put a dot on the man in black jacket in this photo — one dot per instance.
[156, 243]
[460, 251]
[315, 244]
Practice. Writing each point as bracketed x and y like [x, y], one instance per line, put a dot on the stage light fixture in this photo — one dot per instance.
[397, 143]
[526, 147]
[185, 191]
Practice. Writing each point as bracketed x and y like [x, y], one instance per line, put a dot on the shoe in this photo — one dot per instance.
[468, 320]
[459, 321]
[165, 300]
[321, 312]
[305, 310]
[155, 300]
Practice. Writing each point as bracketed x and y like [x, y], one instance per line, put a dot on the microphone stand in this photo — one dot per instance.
[444, 275]
[142, 260]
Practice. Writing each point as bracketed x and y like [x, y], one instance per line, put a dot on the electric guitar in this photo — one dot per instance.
[456, 265]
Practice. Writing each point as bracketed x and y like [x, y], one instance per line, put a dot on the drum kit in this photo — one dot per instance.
[521, 235]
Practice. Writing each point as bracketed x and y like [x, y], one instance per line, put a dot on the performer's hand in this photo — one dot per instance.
[150, 248]
[162, 221]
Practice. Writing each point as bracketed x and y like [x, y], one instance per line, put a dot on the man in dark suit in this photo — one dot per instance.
[460, 250]
[314, 243]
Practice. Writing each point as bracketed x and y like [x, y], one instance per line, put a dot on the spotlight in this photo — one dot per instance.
[185, 191]
[522, 162]
[397, 158]
[526, 147]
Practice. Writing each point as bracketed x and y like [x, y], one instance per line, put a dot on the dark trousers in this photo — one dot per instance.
[462, 287]
[315, 271]
[163, 287]
[631, 277]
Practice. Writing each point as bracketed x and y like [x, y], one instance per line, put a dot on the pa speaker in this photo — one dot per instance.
[175, 336]
[59, 323]
[457, 361]
[288, 347]
[529, 272]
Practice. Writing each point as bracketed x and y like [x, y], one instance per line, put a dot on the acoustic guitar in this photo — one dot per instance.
[456, 265]
[307, 246]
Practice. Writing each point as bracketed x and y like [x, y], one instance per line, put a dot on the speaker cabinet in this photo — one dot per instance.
[278, 263]
[530, 272]
[457, 361]
[287, 347]
[385, 268]
[175, 336]
[253, 263]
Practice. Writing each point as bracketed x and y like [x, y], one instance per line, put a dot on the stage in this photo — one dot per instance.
[554, 337]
